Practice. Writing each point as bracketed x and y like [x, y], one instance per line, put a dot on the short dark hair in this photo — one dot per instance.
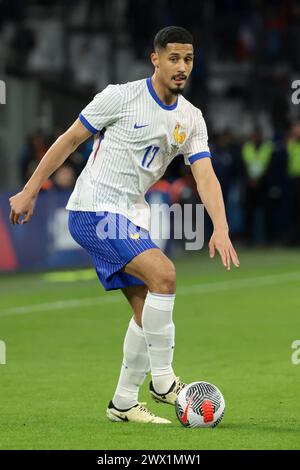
[172, 34]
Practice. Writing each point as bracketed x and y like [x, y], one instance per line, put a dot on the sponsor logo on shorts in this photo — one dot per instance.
[134, 236]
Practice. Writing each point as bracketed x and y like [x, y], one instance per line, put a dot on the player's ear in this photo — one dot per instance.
[154, 58]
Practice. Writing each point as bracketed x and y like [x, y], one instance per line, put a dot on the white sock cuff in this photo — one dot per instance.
[135, 327]
[163, 302]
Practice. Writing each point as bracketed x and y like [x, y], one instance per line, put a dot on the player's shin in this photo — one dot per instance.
[135, 367]
[159, 331]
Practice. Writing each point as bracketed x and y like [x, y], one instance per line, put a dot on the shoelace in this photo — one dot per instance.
[143, 408]
[180, 385]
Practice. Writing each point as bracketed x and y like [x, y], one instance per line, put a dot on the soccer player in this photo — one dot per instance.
[139, 127]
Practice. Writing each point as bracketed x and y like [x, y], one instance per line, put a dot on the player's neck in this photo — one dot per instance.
[162, 92]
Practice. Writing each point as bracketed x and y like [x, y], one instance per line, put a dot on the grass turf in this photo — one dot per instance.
[63, 360]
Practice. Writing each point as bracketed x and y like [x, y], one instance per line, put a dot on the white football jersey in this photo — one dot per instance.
[136, 138]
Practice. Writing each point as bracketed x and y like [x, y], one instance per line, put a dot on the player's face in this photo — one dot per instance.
[174, 65]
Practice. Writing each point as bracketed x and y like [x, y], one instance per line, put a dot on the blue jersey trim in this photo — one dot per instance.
[86, 123]
[198, 156]
[157, 99]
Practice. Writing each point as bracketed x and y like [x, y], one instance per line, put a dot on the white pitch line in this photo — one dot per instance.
[240, 283]
[183, 290]
[58, 305]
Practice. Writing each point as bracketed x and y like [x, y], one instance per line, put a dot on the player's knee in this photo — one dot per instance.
[164, 281]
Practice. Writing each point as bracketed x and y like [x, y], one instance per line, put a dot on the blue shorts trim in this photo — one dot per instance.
[112, 241]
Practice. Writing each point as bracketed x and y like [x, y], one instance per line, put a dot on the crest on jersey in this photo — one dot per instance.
[179, 134]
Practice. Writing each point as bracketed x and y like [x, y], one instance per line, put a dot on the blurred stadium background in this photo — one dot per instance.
[54, 56]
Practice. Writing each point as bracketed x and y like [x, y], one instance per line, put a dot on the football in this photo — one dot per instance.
[200, 405]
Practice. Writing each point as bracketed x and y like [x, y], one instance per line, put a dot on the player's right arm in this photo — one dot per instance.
[24, 201]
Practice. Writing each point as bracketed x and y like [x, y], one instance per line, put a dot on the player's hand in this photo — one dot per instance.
[220, 241]
[21, 204]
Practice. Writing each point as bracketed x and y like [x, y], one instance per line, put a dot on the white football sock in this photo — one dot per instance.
[159, 331]
[135, 367]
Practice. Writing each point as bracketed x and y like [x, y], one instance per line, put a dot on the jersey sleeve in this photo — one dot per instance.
[196, 146]
[103, 110]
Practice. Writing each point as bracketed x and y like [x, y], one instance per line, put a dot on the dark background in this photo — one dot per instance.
[55, 55]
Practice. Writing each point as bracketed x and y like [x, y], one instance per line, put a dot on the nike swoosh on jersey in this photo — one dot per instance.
[136, 126]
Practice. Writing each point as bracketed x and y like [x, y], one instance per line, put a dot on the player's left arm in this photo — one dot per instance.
[210, 192]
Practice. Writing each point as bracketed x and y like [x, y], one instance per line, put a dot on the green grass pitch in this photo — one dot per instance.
[64, 338]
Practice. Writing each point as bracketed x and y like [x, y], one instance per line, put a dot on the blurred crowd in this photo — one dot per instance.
[65, 177]
[247, 55]
[260, 180]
